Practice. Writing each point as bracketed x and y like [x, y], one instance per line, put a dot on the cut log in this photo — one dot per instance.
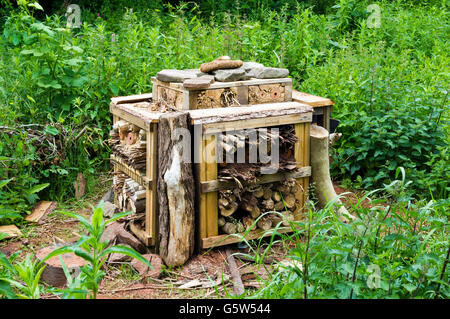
[53, 273]
[255, 212]
[249, 222]
[175, 192]
[138, 206]
[264, 222]
[259, 192]
[290, 200]
[276, 196]
[228, 211]
[320, 171]
[267, 192]
[268, 204]
[221, 221]
[279, 206]
[229, 228]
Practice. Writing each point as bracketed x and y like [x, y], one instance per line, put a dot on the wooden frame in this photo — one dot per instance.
[209, 122]
[185, 98]
[122, 109]
[321, 105]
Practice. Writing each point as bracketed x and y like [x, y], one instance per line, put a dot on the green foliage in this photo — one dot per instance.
[20, 279]
[25, 276]
[94, 252]
[395, 249]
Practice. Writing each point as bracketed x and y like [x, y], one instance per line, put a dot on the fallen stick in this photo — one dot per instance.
[235, 274]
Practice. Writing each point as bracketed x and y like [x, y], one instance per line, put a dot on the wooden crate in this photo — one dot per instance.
[322, 106]
[129, 108]
[212, 121]
[255, 91]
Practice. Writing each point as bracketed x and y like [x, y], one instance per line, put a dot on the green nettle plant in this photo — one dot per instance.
[95, 252]
[89, 247]
[395, 249]
[24, 276]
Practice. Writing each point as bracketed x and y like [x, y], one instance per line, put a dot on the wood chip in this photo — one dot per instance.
[11, 231]
[40, 210]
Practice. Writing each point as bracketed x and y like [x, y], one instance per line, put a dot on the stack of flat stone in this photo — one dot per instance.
[196, 79]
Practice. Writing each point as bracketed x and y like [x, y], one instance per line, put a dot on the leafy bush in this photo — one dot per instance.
[395, 249]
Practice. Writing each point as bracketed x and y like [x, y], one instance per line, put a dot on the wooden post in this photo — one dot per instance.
[175, 191]
[301, 153]
[150, 196]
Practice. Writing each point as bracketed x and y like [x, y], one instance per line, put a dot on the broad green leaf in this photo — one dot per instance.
[4, 261]
[6, 290]
[56, 252]
[36, 5]
[4, 182]
[51, 130]
[126, 251]
[36, 188]
[117, 216]
[80, 218]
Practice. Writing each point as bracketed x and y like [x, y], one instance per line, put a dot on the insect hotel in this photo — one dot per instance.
[214, 155]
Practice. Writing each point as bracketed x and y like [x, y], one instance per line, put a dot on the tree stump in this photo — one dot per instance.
[320, 171]
[53, 273]
[175, 190]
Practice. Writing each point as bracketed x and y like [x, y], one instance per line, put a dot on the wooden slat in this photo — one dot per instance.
[311, 100]
[215, 185]
[129, 115]
[135, 174]
[151, 201]
[256, 111]
[132, 98]
[212, 128]
[221, 85]
[211, 198]
[221, 240]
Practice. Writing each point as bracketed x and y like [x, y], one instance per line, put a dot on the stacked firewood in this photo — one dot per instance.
[240, 208]
[128, 142]
[130, 195]
[237, 169]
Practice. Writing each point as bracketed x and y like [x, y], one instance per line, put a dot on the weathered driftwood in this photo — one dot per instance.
[175, 193]
[320, 171]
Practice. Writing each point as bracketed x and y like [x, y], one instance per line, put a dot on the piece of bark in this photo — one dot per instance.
[80, 186]
[40, 210]
[235, 275]
[320, 171]
[175, 192]
[228, 211]
[53, 273]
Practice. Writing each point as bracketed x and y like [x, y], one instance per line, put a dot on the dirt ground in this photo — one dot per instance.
[205, 275]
